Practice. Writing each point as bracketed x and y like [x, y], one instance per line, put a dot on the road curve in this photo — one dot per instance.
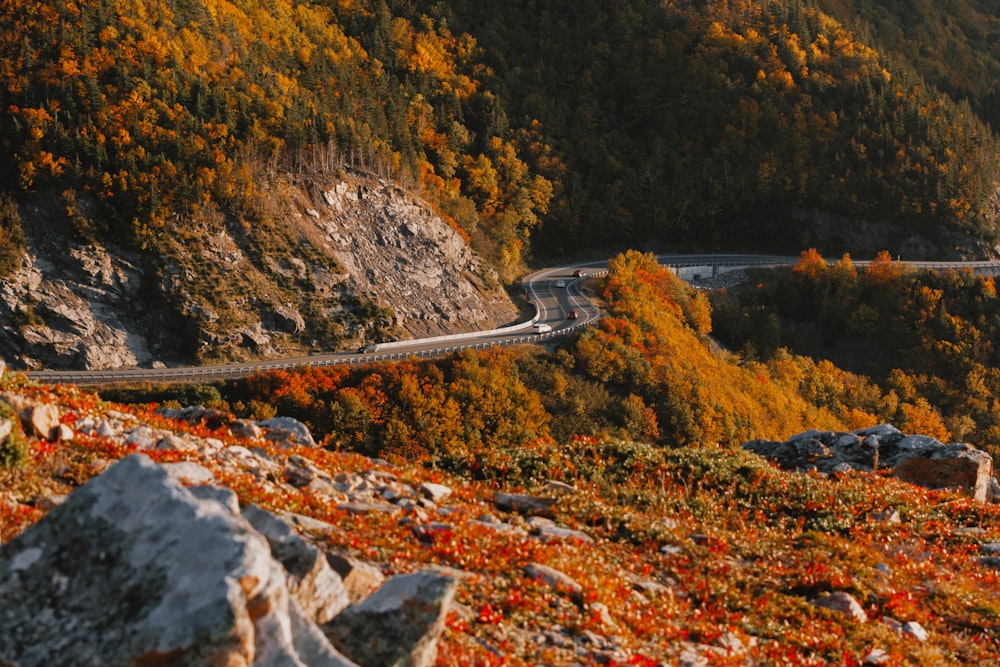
[554, 292]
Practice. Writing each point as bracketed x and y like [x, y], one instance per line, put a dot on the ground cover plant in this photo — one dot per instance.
[692, 548]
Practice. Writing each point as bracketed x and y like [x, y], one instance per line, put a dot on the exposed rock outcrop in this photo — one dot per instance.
[74, 305]
[395, 246]
[134, 568]
[355, 255]
[917, 459]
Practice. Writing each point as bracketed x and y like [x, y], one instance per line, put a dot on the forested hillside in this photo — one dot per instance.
[577, 123]
[928, 337]
[954, 45]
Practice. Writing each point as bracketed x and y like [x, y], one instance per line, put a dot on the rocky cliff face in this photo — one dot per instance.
[341, 261]
[394, 246]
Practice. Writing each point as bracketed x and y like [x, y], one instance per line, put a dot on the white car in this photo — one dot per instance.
[541, 327]
[560, 283]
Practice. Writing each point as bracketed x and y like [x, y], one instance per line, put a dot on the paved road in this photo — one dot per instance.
[552, 301]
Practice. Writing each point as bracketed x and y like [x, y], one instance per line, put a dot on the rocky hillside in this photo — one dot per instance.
[187, 537]
[355, 259]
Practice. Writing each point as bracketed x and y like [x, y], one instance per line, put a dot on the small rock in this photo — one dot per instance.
[310, 524]
[244, 428]
[429, 533]
[876, 656]
[316, 586]
[645, 585]
[359, 577]
[844, 603]
[915, 630]
[887, 516]
[558, 581]
[513, 502]
[601, 612]
[436, 492]
[391, 495]
[299, 471]
[733, 645]
[494, 524]
[174, 443]
[882, 431]
[43, 420]
[105, 429]
[993, 491]
[197, 414]
[49, 502]
[141, 437]
[955, 466]
[559, 488]
[548, 530]
[361, 507]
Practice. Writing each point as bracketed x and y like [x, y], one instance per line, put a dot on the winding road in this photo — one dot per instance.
[553, 291]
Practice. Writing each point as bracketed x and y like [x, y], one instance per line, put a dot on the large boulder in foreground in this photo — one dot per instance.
[917, 459]
[134, 569]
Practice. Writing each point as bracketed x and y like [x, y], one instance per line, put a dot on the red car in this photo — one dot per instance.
[572, 315]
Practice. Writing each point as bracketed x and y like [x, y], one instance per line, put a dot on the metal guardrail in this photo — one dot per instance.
[211, 373]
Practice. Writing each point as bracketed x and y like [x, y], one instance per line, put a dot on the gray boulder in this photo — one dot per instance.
[398, 624]
[135, 569]
[288, 431]
[315, 585]
[360, 578]
[557, 580]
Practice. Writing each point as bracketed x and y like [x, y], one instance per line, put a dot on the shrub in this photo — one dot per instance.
[14, 448]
